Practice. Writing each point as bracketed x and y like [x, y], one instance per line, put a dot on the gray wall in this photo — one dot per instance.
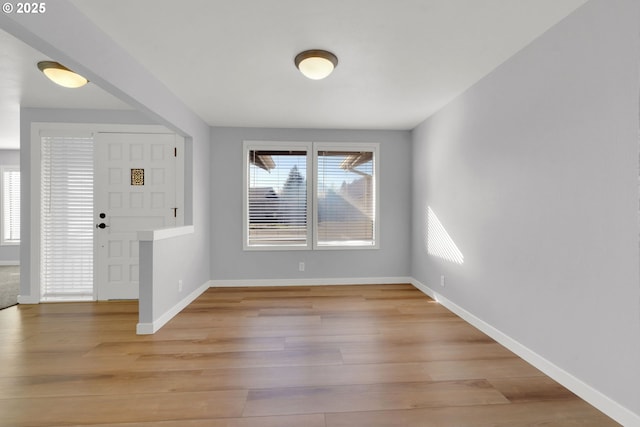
[534, 174]
[9, 254]
[230, 262]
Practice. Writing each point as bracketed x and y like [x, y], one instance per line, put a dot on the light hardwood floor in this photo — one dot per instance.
[379, 355]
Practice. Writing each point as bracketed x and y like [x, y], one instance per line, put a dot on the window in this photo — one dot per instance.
[277, 196]
[310, 195]
[10, 205]
[67, 226]
[345, 197]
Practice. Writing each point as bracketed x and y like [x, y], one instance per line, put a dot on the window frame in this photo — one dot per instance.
[312, 149]
[249, 146]
[4, 212]
[354, 147]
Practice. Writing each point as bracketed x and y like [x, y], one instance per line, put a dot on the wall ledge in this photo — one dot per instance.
[165, 233]
[605, 404]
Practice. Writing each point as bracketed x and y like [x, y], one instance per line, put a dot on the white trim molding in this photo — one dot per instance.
[28, 299]
[148, 328]
[310, 282]
[605, 404]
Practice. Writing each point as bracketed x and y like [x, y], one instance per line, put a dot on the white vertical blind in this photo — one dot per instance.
[11, 205]
[345, 198]
[277, 198]
[67, 219]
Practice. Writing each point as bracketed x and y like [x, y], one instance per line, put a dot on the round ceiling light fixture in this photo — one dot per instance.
[61, 75]
[316, 64]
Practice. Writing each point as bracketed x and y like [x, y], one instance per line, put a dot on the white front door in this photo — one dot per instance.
[135, 189]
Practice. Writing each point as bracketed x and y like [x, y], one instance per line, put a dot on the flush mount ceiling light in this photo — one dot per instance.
[61, 75]
[316, 64]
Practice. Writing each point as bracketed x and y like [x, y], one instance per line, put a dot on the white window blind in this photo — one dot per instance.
[345, 198]
[67, 219]
[277, 198]
[10, 205]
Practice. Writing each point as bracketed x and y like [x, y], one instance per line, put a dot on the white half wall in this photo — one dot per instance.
[165, 287]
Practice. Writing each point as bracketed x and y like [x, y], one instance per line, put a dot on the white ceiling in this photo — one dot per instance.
[22, 84]
[232, 61]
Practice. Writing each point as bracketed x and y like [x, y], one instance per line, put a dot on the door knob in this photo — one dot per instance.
[101, 225]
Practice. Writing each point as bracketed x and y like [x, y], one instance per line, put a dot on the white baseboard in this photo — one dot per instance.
[613, 409]
[9, 263]
[153, 327]
[28, 299]
[309, 282]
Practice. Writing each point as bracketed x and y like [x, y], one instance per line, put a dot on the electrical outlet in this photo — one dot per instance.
[180, 285]
[301, 266]
[442, 282]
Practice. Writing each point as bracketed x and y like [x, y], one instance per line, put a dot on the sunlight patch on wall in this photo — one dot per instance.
[439, 243]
